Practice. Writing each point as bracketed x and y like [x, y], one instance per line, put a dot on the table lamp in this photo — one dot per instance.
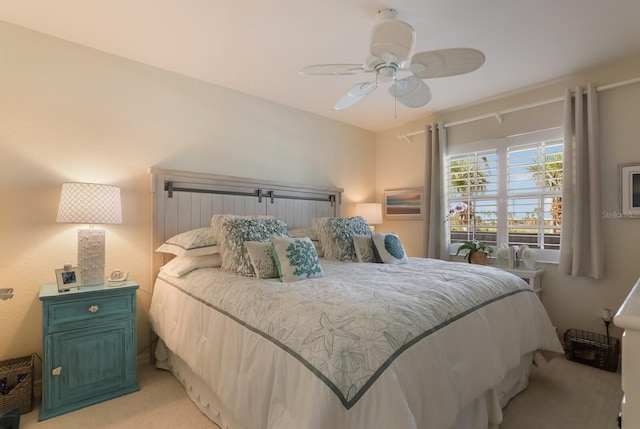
[371, 212]
[90, 203]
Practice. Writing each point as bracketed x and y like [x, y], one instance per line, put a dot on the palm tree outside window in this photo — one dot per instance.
[511, 193]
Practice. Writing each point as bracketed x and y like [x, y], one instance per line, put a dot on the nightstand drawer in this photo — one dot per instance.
[87, 309]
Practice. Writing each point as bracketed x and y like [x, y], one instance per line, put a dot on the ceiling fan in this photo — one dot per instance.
[392, 43]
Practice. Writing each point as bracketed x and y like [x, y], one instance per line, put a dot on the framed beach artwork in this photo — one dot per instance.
[403, 203]
[630, 190]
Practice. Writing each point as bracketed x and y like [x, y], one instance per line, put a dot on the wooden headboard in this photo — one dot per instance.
[185, 200]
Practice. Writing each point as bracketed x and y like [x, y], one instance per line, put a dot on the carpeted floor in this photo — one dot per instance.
[566, 395]
[561, 395]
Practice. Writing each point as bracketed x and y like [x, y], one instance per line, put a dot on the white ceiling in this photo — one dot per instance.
[258, 46]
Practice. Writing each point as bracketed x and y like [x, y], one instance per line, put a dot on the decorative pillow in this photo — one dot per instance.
[261, 256]
[318, 247]
[236, 230]
[181, 265]
[364, 248]
[341, 231]
[217, 220]
[304, 232]
[296, 259]
[196, 242]
[321, 228]
[389, 248]
[216, 226]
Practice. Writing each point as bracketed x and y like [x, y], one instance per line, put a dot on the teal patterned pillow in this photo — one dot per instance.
[296, 259]
[261, 256]
[389, 248]
[236, 230]
[342, 230]
[364, 248]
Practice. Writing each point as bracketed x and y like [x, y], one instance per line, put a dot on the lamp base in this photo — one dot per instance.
[91, 256]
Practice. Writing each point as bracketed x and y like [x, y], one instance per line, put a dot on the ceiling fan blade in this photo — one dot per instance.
[446, 62]
[392, 40]
[334, 69]
[411, 91]
[355, 94]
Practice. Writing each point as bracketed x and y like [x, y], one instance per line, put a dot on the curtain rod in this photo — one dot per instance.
[498, 115]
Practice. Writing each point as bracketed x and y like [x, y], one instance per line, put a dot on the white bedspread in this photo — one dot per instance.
[368, 345]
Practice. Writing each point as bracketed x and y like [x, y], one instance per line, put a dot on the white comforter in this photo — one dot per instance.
[366, 346]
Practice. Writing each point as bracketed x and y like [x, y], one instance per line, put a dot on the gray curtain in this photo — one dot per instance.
[581, 249]
[435, 233]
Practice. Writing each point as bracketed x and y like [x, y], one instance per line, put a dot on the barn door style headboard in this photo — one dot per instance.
[184, 200]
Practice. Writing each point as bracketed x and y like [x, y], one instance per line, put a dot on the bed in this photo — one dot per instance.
[421, 344]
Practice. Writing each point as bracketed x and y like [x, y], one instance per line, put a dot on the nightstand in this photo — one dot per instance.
[531, 276]
[89, 345]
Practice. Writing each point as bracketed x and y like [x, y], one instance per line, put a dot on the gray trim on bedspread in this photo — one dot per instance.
[350, 400]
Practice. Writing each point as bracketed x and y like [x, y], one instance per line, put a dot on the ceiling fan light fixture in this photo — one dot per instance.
[411, 92]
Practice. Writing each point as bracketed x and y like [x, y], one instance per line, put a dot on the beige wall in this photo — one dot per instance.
[68, 113]
[571, 302]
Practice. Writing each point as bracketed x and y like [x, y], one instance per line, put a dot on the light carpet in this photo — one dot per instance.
[561, 395]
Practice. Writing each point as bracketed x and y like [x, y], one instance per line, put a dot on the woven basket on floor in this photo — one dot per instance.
[16, 390]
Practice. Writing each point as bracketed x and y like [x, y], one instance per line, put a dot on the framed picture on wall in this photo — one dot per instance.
[404, 203]
[630, 190]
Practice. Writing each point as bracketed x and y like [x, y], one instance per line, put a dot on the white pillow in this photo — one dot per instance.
[318, 247]
[304, 232]
[364, 248]
[261, 256]
[196, 242]
[389, 248]
[181, 265]
[296, 259]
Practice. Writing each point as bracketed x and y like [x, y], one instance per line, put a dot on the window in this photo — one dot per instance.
[507, 191]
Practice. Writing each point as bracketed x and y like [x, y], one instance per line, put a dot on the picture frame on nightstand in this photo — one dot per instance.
[67, 278]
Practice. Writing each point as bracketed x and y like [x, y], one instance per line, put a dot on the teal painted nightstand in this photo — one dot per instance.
[89, 345]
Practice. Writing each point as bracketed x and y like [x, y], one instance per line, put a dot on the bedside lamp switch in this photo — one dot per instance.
[56, 371]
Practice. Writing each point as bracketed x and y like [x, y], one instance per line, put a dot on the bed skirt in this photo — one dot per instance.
[484, 413]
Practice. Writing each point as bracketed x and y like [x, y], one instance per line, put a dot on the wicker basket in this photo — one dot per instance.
[16, 384]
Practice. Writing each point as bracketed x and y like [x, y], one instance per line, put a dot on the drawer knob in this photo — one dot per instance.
[56, 371]
[94, 309]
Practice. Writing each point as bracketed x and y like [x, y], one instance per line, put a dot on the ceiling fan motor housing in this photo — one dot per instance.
[386, 73]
